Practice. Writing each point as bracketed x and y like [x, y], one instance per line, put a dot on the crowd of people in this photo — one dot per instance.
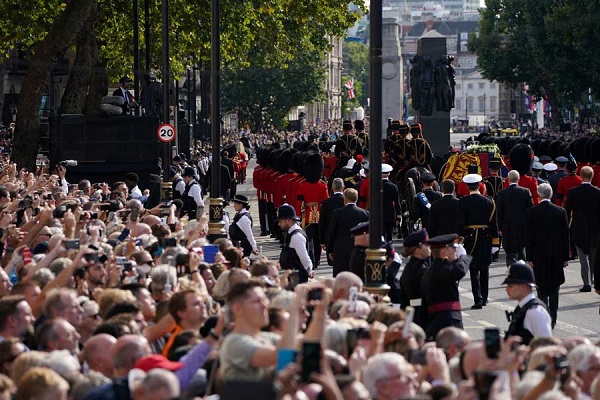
[102, 297]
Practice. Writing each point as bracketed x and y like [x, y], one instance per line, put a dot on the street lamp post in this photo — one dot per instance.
[484, 106]
[466, 109]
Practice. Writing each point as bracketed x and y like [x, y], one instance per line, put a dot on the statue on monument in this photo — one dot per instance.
[432, 83]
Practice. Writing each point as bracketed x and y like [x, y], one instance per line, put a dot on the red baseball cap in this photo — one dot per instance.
[157, 361]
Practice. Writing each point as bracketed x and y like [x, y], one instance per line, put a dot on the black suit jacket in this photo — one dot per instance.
[334, 202]
[125, 106]
[442, 216]
[339, 240]
[390, 201]
[419, 210]
[547, 243]
[583, 211]
[511, 205]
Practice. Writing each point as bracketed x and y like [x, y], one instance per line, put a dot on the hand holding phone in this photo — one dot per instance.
[492, 342]
[311, 359]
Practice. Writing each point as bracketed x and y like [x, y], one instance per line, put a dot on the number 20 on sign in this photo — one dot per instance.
[166, 133]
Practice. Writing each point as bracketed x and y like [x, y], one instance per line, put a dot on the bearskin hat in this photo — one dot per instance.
[301, 145]
[595, 151]
[564, 150]
[521, 158]
[578, 149]
[503, 145]
[543, 148]
[535, 145]
[312, 147]
[554, 149]
[297, 162]
[359, 125]
[262, 156]
[312, 167]
[524, 141]
[274, 158]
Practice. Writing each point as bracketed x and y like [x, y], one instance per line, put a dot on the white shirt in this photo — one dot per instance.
[203, 165]
[180, 186]
[196, 193]
[298, 243]
[246, 226]
[136, 193]
[537, 320]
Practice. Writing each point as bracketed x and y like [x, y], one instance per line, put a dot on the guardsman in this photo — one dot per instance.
[257, 181]
[347, 144]
[363, 137]
[494, 181]
[561, 172]
[363, 192]
[440, 284]
[521, 160]
[423, 200]
[462, 190]
[397, 145]
[415, 247]
[476, 223]
[565, 184]
[312, 192]
[420, 151]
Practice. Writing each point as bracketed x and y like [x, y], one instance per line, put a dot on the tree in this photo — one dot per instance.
[547, 44]
[356, 65]
[265, 95]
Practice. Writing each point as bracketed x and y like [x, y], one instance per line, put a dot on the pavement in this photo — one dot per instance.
[578, 313]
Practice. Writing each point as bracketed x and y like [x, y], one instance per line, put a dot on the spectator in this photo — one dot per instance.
[97, 354]
[42, 384]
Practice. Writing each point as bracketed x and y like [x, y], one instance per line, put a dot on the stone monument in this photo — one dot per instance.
[392, 73]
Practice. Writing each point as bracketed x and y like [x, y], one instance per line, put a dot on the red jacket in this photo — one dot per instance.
[564, 184]
[528, 182]
[312, 195]
[462, 189]
[363, 194]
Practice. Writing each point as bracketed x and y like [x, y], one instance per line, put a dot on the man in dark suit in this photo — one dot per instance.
[582, 208]
[423, 200]
[339, 240]
[511, 205]
[390, 203]
[477, 224]
[334, 202]
[123, 91]
[443, 212]
[547, 247]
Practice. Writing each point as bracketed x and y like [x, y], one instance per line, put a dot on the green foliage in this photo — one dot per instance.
[356, 65]
[548, 44]
[266, 94]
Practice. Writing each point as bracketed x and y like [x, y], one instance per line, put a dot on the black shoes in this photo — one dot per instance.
[586, 289]
[264, 234]
[477, 306]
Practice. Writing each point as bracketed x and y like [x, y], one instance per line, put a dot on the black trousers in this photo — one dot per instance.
[312, 234]
[263, 216]
[480, 277]
[388, 229]
[550, 297]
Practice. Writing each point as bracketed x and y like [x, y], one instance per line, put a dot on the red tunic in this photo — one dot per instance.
[462, 189]
[312, 195]
[329, 162]
[596, 178]
[363, 194]
[564, 184]
[256, 180]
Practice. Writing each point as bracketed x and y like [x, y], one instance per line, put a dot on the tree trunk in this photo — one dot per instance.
[2, 71]
[62, 35]
[555, 117]
[76, 91]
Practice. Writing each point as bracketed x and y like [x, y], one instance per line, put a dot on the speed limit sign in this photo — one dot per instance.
[166, 133]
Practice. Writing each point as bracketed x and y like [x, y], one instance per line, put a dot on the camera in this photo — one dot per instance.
[59, 212]
[68, 163]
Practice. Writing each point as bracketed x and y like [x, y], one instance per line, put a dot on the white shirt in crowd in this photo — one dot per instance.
[246, 226]
[298, 243]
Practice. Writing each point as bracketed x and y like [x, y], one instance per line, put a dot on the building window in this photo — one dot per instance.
[469, 104]
[492, 85]
[481, 100]
[503, 106]
[470, 86]
[457, 87]
[458, 104]
[481, 85]
[493, 101]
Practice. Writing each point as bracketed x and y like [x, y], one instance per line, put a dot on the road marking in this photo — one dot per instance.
[485, 323]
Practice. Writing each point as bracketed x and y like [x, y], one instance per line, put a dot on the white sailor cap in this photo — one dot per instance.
[386, 168]
[472, 178]
[550, 167]
[332, 149]
[362, 173]
[351, 163]
[536, 159]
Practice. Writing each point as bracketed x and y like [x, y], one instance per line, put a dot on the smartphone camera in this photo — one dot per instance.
[315, 294]
[72, 244]
[92, 257]
[492, 342]
[311, 359]
[417, 357]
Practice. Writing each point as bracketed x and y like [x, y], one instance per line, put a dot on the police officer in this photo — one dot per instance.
[422, 201]
[295, 252]
[476, 222]
[177, 184]
[240, 229]
[440, 284]
[193, 205]
[411, 292]
[530, 318]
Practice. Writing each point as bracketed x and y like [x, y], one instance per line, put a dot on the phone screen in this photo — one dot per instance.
[311, 359]
[492, 342]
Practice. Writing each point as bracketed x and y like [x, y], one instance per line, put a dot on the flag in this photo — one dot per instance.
[350, 86]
